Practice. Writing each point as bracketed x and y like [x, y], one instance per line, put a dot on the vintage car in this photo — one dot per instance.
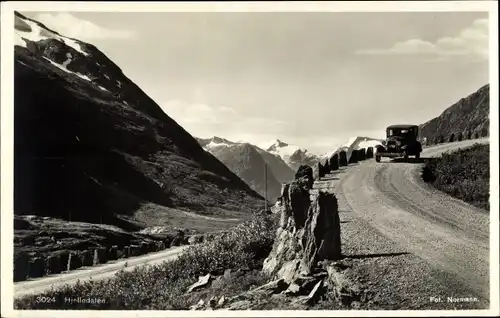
[401, 141]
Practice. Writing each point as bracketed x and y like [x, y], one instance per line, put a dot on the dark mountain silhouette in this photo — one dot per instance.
[90, 144]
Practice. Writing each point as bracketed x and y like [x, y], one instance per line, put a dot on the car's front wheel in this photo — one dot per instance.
[377, 158]
[417, 156]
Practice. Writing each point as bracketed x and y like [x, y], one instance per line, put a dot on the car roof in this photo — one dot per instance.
[402, 126]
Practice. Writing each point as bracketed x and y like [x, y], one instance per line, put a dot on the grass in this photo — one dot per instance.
[463, 174]
[163, 287]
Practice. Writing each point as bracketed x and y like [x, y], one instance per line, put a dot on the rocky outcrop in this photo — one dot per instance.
[304, 172]
[309, 232]
[469, 114]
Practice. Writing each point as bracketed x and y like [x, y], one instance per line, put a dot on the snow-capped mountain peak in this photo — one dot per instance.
[293, 155]
[27, 30]
[277, 145]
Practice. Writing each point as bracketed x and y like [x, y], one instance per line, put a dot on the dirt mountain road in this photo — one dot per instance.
[38, 286]
[424, 235]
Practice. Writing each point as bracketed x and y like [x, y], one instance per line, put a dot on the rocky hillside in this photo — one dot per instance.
[468, 118]
[91, 145]
[248, 162]
[293, 155]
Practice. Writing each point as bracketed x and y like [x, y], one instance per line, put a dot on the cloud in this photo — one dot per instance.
[202, 120]
[73, 27]
[471, 43]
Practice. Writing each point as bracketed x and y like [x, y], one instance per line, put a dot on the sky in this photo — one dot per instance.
[310, 79]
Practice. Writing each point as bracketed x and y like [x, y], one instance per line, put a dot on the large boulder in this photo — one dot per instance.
[112, 253]
[451, 138]
[334, 162]
[151, 247]
[179, 239]
[86, 257]
[134, 250]
[369, 152]
[21, 266]
[160, 246]
[326, 166]
[309, 232]
[342, 158]
[126, 251]
[53, 265]
[354, 157]
[361, 154]
[100, 256]
[321, 171]
[64, 259]
[74, 261]
[143, 248]
[36, 267]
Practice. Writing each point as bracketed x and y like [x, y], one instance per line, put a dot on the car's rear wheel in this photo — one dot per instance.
[417, 156]
[405, 156]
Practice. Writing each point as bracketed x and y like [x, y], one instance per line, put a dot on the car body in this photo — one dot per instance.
[401, 141]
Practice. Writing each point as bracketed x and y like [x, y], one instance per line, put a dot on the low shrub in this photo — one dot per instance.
[463, 174]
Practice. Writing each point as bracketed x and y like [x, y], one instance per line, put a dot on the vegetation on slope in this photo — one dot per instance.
[463, 174]
[164, 286]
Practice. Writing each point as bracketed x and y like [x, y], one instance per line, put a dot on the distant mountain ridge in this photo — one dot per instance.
[293, 155]
[248, 161]
[467, 118]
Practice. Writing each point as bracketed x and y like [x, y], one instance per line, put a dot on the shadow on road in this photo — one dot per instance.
[410, 160]
[362, 256]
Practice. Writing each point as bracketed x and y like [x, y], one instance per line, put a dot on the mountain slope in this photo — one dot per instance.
[279, 168]
[468, 117]
[91, 144]
[248, 161]
[293, 155]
